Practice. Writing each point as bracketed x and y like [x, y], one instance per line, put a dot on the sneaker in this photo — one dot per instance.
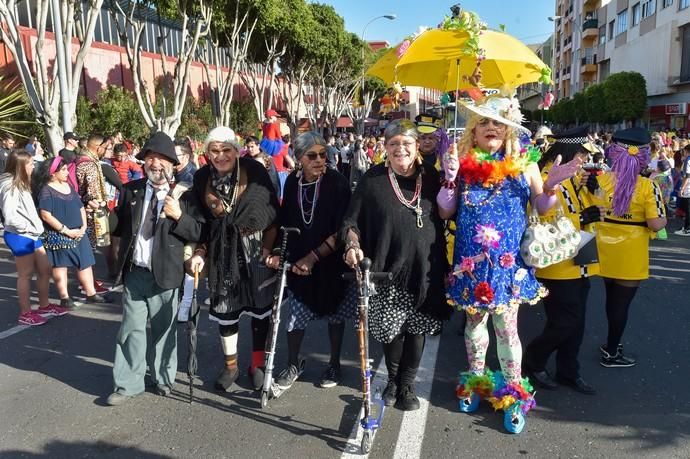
[604, 352]
[289, 375]
[390, 393]
[682, 232]
[96, 299]
[52, 310]
[407, 400]
[616, 361]
[100, 290]
[183, 314]
[330, 377]
[226, 379]
[68, 304]
[31, 318]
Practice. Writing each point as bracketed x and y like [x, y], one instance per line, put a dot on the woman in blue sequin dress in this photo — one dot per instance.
[487, 196]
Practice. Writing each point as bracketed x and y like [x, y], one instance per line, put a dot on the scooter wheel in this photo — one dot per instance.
[366, 442]
[264, 399]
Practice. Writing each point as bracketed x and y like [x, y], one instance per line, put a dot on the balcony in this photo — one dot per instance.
[590, 29]
[590, 3]
[567, 43]
[588, 64]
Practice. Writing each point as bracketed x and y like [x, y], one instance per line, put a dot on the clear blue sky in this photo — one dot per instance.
[524, 19]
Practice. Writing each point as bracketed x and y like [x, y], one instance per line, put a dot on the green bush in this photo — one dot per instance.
[243, 116]
[197, 119]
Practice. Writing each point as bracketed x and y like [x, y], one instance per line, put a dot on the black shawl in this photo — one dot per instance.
[389, 235]
[256, 209]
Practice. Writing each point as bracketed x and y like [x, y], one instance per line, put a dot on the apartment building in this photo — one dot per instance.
[594, 38]
[532, 94]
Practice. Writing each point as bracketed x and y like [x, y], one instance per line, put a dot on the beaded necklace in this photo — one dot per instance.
[416, 208]
[308, 216]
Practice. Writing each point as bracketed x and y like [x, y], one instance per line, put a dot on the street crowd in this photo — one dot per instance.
[480, 224]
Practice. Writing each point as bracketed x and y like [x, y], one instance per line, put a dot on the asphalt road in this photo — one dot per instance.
[54, 380]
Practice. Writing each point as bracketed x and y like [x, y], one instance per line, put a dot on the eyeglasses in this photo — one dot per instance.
[484, 122]
[313, 155]
[407, 144]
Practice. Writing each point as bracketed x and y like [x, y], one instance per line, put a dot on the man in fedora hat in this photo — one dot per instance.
[151, 221]
[427, 125]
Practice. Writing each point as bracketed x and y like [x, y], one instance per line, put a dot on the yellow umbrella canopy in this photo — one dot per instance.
[384, 67]
[431, 61]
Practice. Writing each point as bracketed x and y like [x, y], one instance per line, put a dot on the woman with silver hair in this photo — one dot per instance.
[393, 219]
[635, 211]
[315, 200]
[240, 208]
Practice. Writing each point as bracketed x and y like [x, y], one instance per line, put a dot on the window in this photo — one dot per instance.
[612, 28]
[622, 22]
[685, 55]
[682, 4]
[635, 14]
[602, 35]
[666, 3]
[648, 8]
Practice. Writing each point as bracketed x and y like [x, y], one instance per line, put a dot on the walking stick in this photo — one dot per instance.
[370, 421]
[283, 266]
[191, 329]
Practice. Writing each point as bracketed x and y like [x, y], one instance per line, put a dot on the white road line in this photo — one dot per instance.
[12, 331]
[352, 449]
[412, 428]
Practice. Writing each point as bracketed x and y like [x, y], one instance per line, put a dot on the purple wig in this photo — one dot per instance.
[627, 168]
[442, 142]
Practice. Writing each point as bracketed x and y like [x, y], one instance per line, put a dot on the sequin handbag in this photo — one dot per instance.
[54, 240]
[547, 243]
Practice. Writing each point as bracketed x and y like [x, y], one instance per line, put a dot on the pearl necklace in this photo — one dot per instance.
[308, 217]
[416, 208]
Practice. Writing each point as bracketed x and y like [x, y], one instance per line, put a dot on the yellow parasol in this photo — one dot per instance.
[384, 67]
[432, 61]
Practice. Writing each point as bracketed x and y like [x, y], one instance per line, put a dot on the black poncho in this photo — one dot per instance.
[389, 235]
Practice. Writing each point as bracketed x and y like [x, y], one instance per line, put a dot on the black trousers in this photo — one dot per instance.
[565, 308]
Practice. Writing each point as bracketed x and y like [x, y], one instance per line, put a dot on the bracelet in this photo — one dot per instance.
[62, 229]
[450, 184]
[351, 244]
[316, 255]
[328, 244]
[549, 192]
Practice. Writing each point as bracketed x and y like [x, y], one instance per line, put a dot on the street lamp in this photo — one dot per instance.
[390, 17]
[554, 18]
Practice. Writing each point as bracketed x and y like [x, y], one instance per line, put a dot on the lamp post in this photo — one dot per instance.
[390, 17]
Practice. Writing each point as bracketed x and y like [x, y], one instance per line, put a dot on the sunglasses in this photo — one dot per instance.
[312, 155]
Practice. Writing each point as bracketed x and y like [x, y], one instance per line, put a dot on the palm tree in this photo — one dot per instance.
[12, 107]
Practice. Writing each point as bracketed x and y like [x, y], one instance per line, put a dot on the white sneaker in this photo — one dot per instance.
[183, 314]
[682, 232]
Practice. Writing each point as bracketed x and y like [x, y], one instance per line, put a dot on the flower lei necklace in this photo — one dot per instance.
[416, 208]
[479, 167]
[308, 216]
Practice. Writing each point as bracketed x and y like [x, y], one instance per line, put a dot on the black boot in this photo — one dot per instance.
[228, 374]
[407, 399]
[390, 393]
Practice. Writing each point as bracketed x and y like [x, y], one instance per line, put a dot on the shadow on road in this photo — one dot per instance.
[58, 449]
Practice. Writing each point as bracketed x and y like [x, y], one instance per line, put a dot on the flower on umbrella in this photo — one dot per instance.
[402, 49]
[484, 293]
[466, 266]
[487, 236]
[507, 260]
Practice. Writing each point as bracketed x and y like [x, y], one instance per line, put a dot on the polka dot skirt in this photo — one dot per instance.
[299, 314]
[392, 312]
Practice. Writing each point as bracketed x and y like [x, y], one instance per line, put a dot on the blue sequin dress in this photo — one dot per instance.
[488, 271]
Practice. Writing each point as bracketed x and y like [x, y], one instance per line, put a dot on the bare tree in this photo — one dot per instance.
[233, 41]
[259, 76]
[41, 82]
[193, 17]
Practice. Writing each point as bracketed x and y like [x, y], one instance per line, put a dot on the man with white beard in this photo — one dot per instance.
[153, 227]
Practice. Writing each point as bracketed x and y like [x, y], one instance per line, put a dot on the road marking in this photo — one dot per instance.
[352, 449]
[412, 428]
[12, 331]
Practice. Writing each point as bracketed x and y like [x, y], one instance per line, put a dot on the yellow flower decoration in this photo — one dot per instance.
[632, 150]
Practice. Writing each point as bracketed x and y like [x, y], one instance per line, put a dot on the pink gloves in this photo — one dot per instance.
[450, 163]
[559, 172]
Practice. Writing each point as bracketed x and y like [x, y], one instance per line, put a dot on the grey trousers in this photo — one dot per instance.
[144, 300]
